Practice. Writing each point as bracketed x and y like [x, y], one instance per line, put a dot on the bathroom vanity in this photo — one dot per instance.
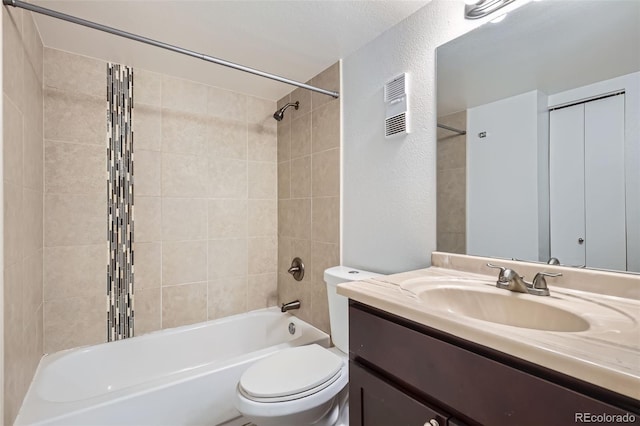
[419, 358]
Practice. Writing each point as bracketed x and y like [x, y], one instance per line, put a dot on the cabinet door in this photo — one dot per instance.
[375, 402]
[566, 180]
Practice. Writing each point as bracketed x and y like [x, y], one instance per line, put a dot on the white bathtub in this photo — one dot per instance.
[181, 376]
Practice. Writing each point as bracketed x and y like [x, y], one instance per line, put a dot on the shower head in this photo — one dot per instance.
[279, 114]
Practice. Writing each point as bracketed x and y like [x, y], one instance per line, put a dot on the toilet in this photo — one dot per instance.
[305, 385]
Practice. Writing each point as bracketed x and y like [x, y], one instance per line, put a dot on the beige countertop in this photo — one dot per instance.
[607, 354]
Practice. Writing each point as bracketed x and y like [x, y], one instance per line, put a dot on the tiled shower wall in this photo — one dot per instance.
[309, 195]
[205, 208]
[451, 185]
[22, 180]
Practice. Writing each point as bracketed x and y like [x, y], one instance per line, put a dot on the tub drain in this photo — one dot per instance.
[292, 328]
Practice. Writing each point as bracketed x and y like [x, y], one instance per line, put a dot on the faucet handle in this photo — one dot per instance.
[539, 284]
[505, 274]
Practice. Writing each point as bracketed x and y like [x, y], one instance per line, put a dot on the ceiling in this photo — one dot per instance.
[294, 39]
[551, 46]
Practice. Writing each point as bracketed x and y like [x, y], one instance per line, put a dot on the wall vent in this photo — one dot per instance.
[397, 106]
[395, 88]
[395, 125]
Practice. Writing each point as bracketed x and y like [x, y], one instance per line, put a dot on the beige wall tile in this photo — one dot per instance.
[451, 150]
[226, 104]
[147, 127]
[147, 86]
[263, 143]
[184, 304]
[75, 168]
[148, 265]
[320, 307]
[74, 73]
[323, 256]
[33, 163]
[452, 242]
[326, 127]
[227, 219]
[328, 79]
[32, 292]
[301, 177]
[33, 44]
[184, 175]
[33, 221]
[184, 262]
[284, 254]
[263, 178]
[304, 97]
[451, 203]
[227, 258]
[263, 218]
[301, 136]
[33, 101]
[262, 291]
[227, 178]
[226, 297]
[284, 179]
[85, 277]
[184, 219]
[284, 141]
[263, 255]
[299, 219]
[147, 216]
[147, 174]
[74, 117]
[227, 138]
[74, 219]
[12, 142]
[325, 172]
[69, 323]
[261, 111]
[147, 310]
[12, 56]
[325, 219]
[184, 133]
[184, 95]
[14, 223]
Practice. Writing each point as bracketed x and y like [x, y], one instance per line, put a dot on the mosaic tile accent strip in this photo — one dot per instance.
[120, 270]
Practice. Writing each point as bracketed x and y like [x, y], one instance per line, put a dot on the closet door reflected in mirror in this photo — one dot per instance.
[586, 166]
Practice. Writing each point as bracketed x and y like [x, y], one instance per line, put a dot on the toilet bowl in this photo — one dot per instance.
[305, 385]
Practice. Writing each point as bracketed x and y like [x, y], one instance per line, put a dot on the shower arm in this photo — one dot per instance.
[166, 46]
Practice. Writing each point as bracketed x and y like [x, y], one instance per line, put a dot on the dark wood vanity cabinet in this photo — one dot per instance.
[404, 373]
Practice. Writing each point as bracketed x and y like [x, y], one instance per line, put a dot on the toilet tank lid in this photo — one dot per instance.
[340, 274]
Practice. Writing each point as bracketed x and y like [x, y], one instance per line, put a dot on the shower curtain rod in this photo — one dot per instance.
[452, 129]
[141, 39]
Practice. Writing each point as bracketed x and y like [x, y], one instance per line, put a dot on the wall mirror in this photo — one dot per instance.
[539, 136]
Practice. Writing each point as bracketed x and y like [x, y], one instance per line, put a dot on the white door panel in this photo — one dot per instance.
[605, 183]
[566, 179]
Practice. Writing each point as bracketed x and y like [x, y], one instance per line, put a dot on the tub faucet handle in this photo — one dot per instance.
[297, 269]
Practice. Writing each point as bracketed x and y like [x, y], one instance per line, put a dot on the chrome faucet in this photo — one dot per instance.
[509, 279]
[289, 306]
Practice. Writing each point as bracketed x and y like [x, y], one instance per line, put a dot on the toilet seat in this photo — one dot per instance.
[291, 374]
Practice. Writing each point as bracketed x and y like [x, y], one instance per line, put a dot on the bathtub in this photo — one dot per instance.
[180, 376]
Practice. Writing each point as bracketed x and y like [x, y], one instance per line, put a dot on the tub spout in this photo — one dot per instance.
[291, 305]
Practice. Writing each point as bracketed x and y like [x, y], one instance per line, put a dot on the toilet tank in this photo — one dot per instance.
[339, 305]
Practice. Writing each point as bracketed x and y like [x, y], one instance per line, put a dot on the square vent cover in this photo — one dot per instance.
[397, 105]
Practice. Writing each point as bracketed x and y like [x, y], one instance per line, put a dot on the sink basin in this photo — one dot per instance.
[503, 307]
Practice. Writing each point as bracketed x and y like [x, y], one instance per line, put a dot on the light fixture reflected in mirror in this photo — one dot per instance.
[475, 9]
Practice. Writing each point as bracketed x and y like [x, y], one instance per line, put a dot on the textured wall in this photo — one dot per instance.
[205, 209]
[451, 184]
[389, 211]
[22, 180]
[309, 195]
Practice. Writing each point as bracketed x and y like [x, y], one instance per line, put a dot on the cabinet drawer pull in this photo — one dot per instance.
[432, 422]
